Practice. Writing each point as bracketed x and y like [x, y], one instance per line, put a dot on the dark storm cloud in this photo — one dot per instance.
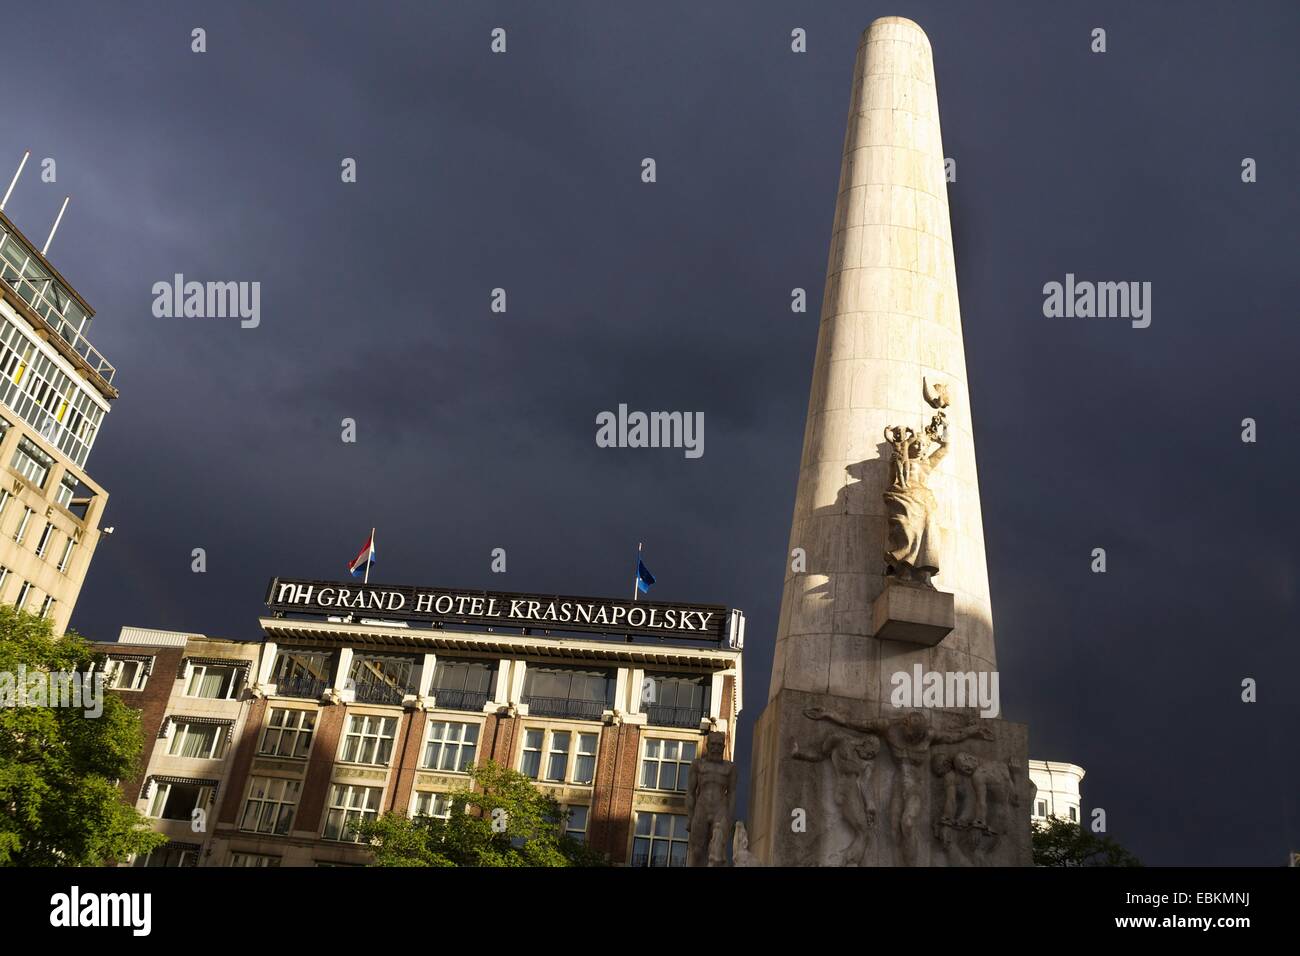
[522, 171]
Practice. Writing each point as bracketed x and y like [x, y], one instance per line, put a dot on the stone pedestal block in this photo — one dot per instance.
[913, 615]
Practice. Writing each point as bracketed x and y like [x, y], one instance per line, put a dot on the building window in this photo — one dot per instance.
[660, 840]
[369, 739]
[569, 757]
[44, 541]
[58, 408]
[1042, 808]
[667, 764]
[381, 680]
[530, 763]
[22, 525]
[253, 859]
[462, 685]
[584, 767]
[214, 681]
[67, 489]
[170, 854]
[270, 805]
[575, 822]
[125, 674]
[47, 606]
[4, 578]
[675, 701]
[32, 463]
[561, 692]
[4, 499]
[1074, 814]
[557, 756]
[301, 673]
[197, 739]
[437, 805]
[349, 805]
[450, 746]
[67, 555]
[288, 732]
[23, 593]
[177, 800]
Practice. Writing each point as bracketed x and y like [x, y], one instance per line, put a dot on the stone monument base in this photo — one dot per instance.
[830, 795]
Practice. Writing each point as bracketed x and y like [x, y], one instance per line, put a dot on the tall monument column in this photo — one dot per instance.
[886, 573]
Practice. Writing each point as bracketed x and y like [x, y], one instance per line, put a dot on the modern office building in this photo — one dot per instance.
[330, 716]
[55, 390]
[1058, 790]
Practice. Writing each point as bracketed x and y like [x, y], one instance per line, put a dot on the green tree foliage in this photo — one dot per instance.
[59, 805]
[505, 821]
[1062, 843]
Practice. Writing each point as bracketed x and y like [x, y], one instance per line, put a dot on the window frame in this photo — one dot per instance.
[432, 798]
[461, 766]
[680, 762]
[279, 801]
[298, 731]
[21, 533]
[571, 753]
[347, 811]
[365, 735]
[195, 672]
[162, 794]
[180, 730]
[672, 838]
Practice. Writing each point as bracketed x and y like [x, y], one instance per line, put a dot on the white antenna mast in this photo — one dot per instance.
[55, 228]
[14, 181]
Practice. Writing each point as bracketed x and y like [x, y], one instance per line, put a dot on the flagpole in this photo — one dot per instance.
[637, 577]
[370, 557]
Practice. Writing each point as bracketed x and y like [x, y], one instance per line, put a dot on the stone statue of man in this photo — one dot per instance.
[710, 801]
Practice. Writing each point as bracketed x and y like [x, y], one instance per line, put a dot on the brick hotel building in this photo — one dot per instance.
[286, 740]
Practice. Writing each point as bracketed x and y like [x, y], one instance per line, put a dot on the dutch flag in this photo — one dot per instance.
[364, 559]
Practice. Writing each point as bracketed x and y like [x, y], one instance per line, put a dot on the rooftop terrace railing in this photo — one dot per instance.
[50, 300]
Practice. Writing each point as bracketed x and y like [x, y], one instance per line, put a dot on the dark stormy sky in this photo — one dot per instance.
[521, 171]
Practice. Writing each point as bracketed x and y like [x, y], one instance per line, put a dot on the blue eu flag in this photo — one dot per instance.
[644, 579]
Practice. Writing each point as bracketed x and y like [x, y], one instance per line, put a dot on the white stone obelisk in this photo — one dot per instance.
[889, 323]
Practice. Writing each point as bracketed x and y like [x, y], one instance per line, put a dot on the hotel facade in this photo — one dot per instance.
[55, 389]
[266, 752]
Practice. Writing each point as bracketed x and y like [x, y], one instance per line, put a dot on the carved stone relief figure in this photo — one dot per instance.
[986, 791]
[852, 758]
[947, 825]
[909, 738]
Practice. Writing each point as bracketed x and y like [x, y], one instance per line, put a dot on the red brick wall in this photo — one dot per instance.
[320, 766]
[726, 711]
[241, 760]
[500, 731]
[150, 702]
[611, 803]
[410, 730]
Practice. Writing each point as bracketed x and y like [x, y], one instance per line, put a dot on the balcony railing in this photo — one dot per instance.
[308, 687]
[661, 715]
[43, 294]
[471, 700]
[380, 694]
[564, 707]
